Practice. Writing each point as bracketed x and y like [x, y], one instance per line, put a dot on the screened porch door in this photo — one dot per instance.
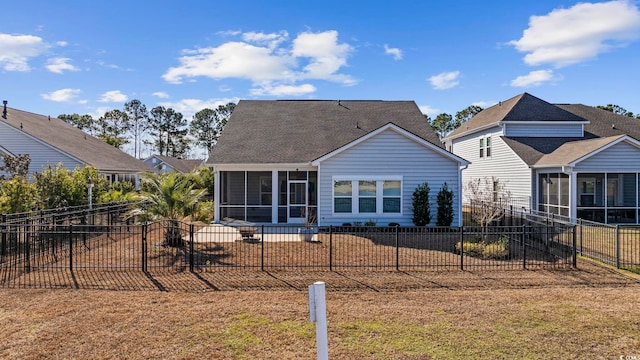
[297, 207]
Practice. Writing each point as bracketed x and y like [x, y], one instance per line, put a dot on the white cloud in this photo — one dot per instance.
[59, 65]
[16, 50]
[113, 96]
[484, 104]
[568, 36]
[534, 78]
[100, 111]
[161, 94]
[445, 80]
[428, 110]
[188, 107]
[284, 90]
[62, 95]
[395, 52]
[271, 40]
[267, 62]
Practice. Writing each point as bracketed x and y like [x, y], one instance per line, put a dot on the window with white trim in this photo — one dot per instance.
[485, 147]
[367, 196]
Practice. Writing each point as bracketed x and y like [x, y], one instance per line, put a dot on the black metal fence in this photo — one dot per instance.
[38, 250]
[617, 245]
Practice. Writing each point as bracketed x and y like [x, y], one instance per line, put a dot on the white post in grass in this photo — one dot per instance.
[318, 314]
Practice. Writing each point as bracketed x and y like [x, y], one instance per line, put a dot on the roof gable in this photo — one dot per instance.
[397, 129]
[519, 109]
[300, 131]
[73, 142]
[572, 152]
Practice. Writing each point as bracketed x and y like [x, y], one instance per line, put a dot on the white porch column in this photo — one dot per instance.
[573, 195]
[216, 196]
[275, 196]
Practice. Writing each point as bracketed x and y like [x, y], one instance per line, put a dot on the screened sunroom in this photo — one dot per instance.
[268, 196]
[612, 198]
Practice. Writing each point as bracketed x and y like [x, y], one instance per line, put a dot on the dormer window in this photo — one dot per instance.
[485, 147]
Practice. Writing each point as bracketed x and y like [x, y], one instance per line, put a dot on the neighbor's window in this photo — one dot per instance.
[485, 147]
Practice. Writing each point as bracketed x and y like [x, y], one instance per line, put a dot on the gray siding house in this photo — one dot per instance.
[569, 159]
[163, 164]
[343, 161]
[51, 141]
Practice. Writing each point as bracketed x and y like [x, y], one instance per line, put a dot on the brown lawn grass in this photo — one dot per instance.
[591, 313]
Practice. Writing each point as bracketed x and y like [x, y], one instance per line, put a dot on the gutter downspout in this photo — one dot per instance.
[460, 186]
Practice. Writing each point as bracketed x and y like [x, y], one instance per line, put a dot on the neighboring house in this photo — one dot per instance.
[342, 161]
[163, 164]
[573, 160]
[50, 141]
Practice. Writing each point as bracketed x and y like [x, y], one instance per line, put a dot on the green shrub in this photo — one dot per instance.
[204, 211]
[471, 248]
[392, 224]
[370, 223]
[495, 250]
[420, 205]
[498, 249]
[445, 206]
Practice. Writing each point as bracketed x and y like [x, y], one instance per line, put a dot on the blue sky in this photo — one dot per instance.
[88, 57]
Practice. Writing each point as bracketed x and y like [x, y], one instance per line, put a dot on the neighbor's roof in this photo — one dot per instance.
[74, 142]
[181, 165]
[603, 128]
[571, 151]
[522, 108]
[299, 131]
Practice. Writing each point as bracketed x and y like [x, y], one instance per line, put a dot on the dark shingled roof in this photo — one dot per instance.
[524, 107]
[73, 141]
[603, 128]
[299, 131]
[603, 123]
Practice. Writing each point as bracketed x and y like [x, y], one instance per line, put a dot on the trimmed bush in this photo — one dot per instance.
[445, 206]
[495, 251]
[471, 248]
[421, 208]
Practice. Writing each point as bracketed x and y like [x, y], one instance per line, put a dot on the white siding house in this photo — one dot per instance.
[573, 160]
[338, 161]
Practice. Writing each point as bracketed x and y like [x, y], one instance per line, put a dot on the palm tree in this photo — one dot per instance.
[169, 196]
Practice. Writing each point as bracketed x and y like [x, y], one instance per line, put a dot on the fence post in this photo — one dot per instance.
[581, 231]
[144, 247]
[575, 250]
[524, 246]
[3, 245]
[397, 248]
[330, 247]
[191, 254]
[262, 250]
[461, 247]
[70, 247]
[617, 246]
[27, 249]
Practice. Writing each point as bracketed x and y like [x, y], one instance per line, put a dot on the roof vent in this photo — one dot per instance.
[613, 126]
[4, 112]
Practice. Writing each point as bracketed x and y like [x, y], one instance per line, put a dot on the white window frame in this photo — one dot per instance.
[355, 203]
[485, 147]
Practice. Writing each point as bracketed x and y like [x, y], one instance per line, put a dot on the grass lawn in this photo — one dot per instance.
[590, 313]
